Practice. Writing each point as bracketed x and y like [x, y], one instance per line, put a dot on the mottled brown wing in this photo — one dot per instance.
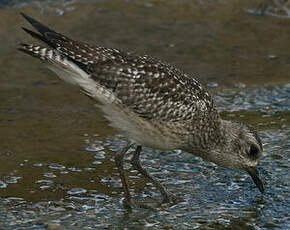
[154, 90]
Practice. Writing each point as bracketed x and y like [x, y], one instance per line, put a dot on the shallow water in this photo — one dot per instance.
[214, 198]
[57, 151]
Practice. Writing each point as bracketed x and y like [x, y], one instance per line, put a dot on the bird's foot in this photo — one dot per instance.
[146, 203]
[169, 198]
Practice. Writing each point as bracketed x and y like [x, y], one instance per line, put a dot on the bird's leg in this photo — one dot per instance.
[119, 159]
[135, 161]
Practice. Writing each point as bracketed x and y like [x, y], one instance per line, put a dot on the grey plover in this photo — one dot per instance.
[150, 102]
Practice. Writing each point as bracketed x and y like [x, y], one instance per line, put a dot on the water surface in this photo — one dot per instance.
[57, 150]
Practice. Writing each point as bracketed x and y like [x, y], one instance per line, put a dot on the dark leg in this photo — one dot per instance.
[119, 162]
[135, 161]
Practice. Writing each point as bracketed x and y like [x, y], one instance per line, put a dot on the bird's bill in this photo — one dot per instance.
[253, 172]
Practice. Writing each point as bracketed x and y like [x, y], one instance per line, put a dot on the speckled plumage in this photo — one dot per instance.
[149, 101]
[151, 89]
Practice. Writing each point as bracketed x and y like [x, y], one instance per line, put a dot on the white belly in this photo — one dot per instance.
[137, 129]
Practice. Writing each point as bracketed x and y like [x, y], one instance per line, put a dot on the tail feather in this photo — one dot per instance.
[37, 36]
[37, 25]
[79, 53]
[53, 39]
[44, 30]
[72, 61]
[46, 34]
[62, 66]
[42, 53]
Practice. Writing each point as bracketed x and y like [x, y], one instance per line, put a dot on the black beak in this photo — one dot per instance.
[255, 176]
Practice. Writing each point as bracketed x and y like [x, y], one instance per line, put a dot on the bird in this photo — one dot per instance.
[152, 103]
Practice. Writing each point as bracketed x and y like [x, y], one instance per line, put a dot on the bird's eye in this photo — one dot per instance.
[253, 151]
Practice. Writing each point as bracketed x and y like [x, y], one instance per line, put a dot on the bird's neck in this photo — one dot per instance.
[213, 140]
[218, 145]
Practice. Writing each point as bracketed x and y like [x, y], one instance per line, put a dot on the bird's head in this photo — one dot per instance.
[240, 149]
